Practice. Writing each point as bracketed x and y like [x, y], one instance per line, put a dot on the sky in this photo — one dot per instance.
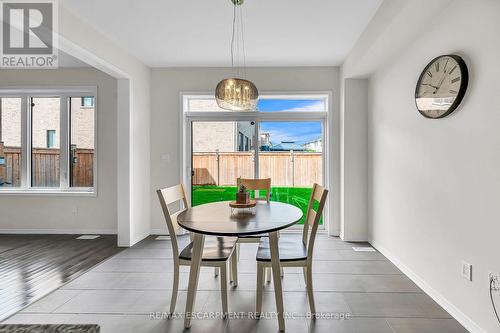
[298, 132]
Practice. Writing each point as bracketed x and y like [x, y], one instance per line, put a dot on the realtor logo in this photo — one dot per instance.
[29, 38]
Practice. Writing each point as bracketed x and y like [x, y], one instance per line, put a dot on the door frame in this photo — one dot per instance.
[326, 118]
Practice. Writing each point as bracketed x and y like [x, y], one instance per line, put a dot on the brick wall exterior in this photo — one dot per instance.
[46, 116]
[209, 136]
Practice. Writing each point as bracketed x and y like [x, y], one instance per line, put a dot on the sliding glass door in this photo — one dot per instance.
[222, 151]
[284, 141]
[291, 154]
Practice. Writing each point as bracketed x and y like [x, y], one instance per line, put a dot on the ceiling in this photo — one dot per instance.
[180, 33]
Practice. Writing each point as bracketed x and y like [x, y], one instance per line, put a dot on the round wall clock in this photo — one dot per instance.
[441, 86]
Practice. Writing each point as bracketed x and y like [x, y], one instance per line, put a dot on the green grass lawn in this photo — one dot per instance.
[297, 196]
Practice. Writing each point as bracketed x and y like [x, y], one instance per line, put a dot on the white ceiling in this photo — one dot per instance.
[168, 33]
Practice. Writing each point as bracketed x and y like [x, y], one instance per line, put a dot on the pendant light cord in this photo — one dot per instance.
[243, 42]
[237, 30]
[232, 38]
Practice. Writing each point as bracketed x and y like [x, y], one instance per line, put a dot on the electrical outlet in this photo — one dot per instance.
[494, 281]
[466, 271]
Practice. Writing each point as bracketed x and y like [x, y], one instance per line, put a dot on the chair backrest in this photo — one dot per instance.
[169, 196]
[263, 184]
[313, 216]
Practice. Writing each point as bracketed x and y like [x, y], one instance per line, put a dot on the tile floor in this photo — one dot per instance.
[121, 293]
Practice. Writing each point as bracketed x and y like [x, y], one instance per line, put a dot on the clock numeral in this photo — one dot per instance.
[429, 73]
[453, 91]
[437, 66]
[455, 79]
[445, 65]
[452, 69]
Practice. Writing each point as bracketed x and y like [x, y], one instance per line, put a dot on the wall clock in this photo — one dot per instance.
[441, 86]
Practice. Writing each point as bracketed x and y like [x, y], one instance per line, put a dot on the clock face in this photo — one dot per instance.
[441, 86]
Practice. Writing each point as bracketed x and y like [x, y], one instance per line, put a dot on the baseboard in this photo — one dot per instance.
[59, 231]
[461, 317]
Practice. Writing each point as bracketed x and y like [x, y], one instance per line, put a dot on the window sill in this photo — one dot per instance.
[49, 192]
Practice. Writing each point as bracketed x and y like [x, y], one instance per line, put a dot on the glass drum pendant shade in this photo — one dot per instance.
[236, 95]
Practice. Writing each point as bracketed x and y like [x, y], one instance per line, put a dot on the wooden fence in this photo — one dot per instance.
[284, 168]
[45, 167]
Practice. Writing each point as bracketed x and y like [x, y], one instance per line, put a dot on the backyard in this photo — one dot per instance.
[297, 196]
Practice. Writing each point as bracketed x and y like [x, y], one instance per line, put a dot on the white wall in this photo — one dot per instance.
[166, 86]
[54, 214]
[434, 185]
[353, 152]
[82, 41]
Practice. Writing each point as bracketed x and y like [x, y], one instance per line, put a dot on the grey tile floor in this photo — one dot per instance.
[121, 293]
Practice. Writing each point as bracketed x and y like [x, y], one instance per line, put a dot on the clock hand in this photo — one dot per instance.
[441, 82]
[430, 85]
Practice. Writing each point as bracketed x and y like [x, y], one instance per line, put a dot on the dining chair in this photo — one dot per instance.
[295, 251]
[260, 185]
[217, 251]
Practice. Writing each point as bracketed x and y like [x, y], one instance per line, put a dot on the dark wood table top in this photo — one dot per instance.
[217, 218]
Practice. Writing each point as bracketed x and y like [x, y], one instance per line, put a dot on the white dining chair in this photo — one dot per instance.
[294, 251]
[217, 251]
[259, 186]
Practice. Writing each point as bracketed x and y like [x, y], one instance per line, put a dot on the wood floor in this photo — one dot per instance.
[31, 266]
[356, 292]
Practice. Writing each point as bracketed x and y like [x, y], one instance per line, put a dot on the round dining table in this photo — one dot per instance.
[219, 219]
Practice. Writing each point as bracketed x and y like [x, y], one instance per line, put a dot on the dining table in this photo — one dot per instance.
[219, 219]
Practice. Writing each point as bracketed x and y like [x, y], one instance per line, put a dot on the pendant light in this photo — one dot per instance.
[237, 94]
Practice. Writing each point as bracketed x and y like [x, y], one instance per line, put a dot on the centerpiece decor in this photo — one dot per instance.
[242, 196]
[242, 199]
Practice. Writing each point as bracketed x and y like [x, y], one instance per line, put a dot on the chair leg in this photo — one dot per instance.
[304, 270]
[216, 271]
[309, 285]
[223, 287]
[175, 288]
[234, 269]
[238, 251]
[267, 274]
[282, 272]
[260, 277]
[194, 274]
[278, 291]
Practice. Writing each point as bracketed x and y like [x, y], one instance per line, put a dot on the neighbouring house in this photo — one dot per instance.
[287, 146]
[45, 139]
[314, 145]
[46, 118]
[222, 136]
[265, 141]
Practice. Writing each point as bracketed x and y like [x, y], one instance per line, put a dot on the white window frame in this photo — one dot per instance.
[325, 117]
[64, 93]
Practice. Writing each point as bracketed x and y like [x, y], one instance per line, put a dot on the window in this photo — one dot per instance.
[82, 133]
[47, 141]
[292, 135]
[240, 141]
[247, 146]
[51, 138]
[10, 142]
[87, 102]
[267, 104]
